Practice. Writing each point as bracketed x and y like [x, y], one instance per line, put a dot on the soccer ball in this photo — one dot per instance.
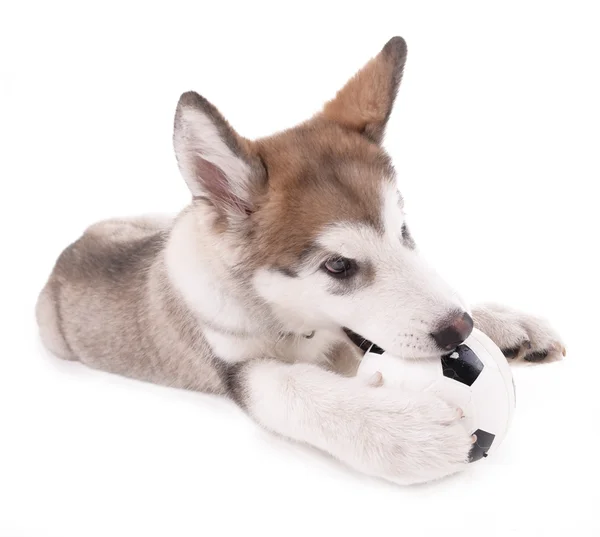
[475, 377]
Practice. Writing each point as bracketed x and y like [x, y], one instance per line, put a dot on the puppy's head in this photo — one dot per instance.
[317, 220]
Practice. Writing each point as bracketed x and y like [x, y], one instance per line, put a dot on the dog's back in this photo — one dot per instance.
[107, 304]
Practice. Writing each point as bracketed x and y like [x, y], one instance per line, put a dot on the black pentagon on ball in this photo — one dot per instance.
[375, 349]
[462, 365]
[482, 445]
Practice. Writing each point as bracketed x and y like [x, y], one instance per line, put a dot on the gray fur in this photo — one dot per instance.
[108, 304]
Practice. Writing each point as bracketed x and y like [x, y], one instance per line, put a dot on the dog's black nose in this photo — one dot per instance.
[453, 330]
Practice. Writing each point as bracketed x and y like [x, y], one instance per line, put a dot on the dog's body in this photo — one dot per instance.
[291, 244]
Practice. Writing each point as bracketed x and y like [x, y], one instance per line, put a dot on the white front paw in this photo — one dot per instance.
[410, 437]
[519, 335]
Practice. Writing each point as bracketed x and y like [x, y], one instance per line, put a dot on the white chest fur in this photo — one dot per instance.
[234, 333]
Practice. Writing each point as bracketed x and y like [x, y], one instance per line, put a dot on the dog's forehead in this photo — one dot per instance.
[320, 175]
[321, 163]
[320, 139]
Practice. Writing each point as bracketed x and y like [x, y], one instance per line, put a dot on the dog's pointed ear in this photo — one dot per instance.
[365, 103]
[217, 164]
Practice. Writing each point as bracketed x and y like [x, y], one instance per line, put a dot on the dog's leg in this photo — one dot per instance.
[518, 334]
[402, 436]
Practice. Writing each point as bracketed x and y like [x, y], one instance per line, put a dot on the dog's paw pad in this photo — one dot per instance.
[536, 356]
[540, 352]
[512, 353]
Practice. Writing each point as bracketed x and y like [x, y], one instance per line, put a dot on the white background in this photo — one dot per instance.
[495, 137]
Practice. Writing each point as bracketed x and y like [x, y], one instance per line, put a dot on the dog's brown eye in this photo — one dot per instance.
[340, 267]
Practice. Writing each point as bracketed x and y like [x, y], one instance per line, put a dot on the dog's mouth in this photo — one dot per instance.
[361, 342]
[366, 345]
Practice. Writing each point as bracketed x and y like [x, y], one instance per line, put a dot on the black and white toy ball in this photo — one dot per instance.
[475, 377]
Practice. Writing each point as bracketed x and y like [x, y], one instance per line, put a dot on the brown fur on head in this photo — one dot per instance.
[319, 173]
[326, 169]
